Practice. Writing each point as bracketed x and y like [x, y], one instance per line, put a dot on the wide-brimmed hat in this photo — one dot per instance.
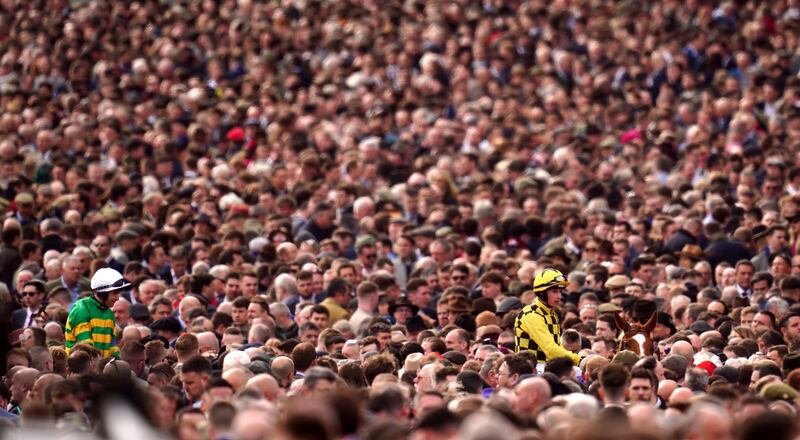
[403, 302]
[459, 304]
[692, 251]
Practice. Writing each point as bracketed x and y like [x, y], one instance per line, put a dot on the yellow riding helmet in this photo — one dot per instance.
[548, 279]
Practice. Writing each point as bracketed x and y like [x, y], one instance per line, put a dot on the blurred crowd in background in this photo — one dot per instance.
[331, 213]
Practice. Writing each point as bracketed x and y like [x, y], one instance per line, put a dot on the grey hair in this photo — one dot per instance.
[317, 374]
[287, 283]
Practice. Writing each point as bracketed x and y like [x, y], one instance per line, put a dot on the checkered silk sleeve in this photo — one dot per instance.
[538, 330]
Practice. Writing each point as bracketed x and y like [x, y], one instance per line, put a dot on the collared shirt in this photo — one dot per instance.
[74, 292]
[743, 293]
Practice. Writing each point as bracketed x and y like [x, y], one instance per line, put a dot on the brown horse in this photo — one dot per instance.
[636, 337]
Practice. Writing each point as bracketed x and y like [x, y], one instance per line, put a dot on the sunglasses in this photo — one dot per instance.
[30, 293]
[119, 283]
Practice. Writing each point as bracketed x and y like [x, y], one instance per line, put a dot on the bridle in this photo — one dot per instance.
[636, 337]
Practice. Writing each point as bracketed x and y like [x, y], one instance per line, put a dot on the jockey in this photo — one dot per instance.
[537, 327]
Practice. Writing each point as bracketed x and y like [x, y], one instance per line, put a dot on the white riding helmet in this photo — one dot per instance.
[108, 280]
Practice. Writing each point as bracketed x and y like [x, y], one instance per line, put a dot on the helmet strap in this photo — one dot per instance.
[102, 297]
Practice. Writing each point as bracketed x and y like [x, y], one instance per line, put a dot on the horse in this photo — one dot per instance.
[636, 336]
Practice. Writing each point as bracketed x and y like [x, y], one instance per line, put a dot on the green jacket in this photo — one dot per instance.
[87, 322]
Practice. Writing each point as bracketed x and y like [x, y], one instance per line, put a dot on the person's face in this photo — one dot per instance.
[442, 315]
[239, 315]
[601, 348]
[162, 311]
[760, 287]
[304, 287]
[255, 311]
[368, 255]
[453, 343]
[423, 382]
[780, 267]
[504, 378]
[761, 321]
[401, 314]
[792, 330]
[232, 289]
[640, 390]
[728, 277]
[318, 283]
[603, 329]
[590, 252]
[27, 339]
[320, 319]
[179, 265]
[159, 257]
[578, 236]
[31, 297]
[420, 297]
[101, 246]
[311, 336]
[384, 338]
[491, 290]
[349, 274]
[554, 297]
[458, 278]
[645, 273]
[120, 310]
[777, 240]
[18, 390]
[72, 271]
[743, 275]
[147, 292]
[403, 248]
[438, 252]
[747, 319]
[113, 297]
[249, 286]
[795, 265]
[194, 384]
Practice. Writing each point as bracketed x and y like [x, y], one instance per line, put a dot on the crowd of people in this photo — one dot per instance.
[309, 219]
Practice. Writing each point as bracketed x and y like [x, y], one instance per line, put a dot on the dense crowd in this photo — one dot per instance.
[308, 219]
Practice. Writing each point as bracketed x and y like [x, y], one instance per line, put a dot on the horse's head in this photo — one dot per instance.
[636, 336]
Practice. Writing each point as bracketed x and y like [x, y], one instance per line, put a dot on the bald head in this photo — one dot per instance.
[54, 331]
[207, 341]
[643, 416]
[283, 369]
[706, 420]
[680, 395]
[237, 377]
[684, 349]
[131, 333]
[41, 383]
[665, 389]
[266, 385]
[22, 383]
[189, 303]
[117, 369]
[530, 395]
[594, 363]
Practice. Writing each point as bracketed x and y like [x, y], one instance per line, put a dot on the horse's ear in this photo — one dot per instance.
[651, 323]
[622, 324]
